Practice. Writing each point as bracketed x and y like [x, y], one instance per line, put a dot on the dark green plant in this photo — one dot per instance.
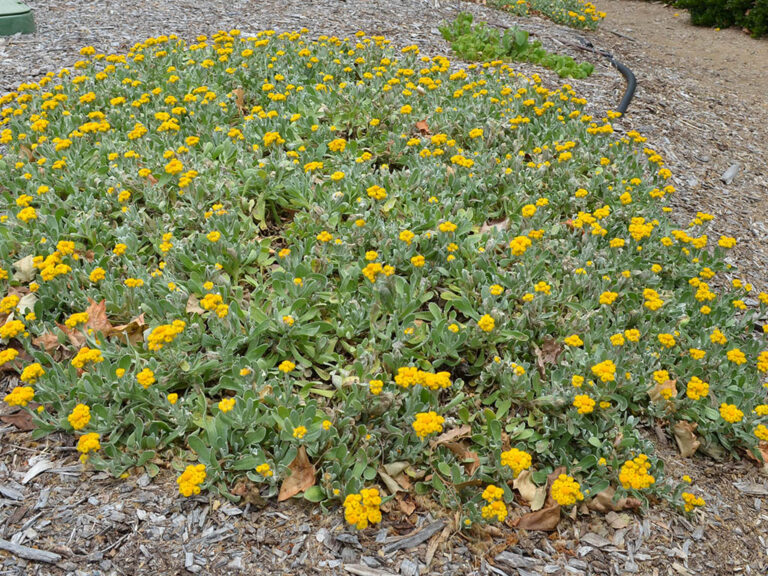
[482, 42]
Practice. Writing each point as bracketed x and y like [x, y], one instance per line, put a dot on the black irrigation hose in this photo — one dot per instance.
[625, 71]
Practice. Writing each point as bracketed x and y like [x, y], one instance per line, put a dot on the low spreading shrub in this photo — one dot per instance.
[573, 13]
[334, 269]
[481, 42]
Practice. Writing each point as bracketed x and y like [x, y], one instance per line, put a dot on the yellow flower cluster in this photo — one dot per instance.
[190, 480]
[226, 404]
[584, 403]
[697, 388]
[215, 302]
[363, 508]
[516, 460]
[635, 473]
[88, 443]
[165, 334]
[573, 340]
[80, 416]
[427, 423]
[408, 376]
[146, 378]
[605, 370]
[495, 509]
[690, 501]
[20, 396]
[486, 323]
[8, 355]
[731, 413]
[87, 356]
[265, 470]
[566, 491]
[519, 244]
[77, 318]
[31, 373]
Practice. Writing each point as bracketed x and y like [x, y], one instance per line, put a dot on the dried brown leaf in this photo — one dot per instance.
[249, 492]
[193, 305]
[239, 94]
[452, 434]
[463, 453]
[603, 502]
[47, 342]
[685, 436]
[133, 332]
[302, 476]
[21, 419]
[534, 495]
[422, 127]
[658, 392]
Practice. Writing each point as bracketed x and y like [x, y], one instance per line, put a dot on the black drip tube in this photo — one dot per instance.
[625, 71]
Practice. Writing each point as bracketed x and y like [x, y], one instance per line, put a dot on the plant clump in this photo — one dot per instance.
[332, 268]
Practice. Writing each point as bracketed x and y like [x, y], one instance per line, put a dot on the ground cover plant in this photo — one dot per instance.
[573, 13]
[359, 274]
[481, 42]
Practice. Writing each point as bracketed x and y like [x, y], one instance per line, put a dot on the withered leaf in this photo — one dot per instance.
[452, 434]
[193, 305]
[661, 391]
[21, 419]
[463, 453]
[422, 127]
[249, 493]
[47, 341]
[603, 502]
[685, 436]
[302, 476]
[545, 519]
[133, 332]
[534, 495]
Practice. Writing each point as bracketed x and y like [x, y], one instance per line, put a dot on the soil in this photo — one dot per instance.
[701, 101]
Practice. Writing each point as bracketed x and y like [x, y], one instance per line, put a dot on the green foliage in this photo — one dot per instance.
[750, 14]
[482, 42]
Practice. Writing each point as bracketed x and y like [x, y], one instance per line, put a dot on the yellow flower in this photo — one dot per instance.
[634, 473]
[11, 329]
[731, 413]
[20, 396]
[496, 290]
[584, 403]
[286, 366]
[363, 508]
[146, 378]
[486, 323]
[566, 491]
[173, 398]
[375, 386]
[418, 261]
[427, 423]
[97, 274]
[605, 370]
[80, 416]
[697, 388]
[264, 470]
[214, 236]
[519, 245]
[299, 432]
[690, 501]
[608, 298]
[190, 480]
[516, 460]
[226, 404]
[31, 373]
[573, 340]
[447, 226]
[667, 340]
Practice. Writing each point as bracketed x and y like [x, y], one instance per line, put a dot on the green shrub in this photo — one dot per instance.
[481, 42]
[751, 14]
